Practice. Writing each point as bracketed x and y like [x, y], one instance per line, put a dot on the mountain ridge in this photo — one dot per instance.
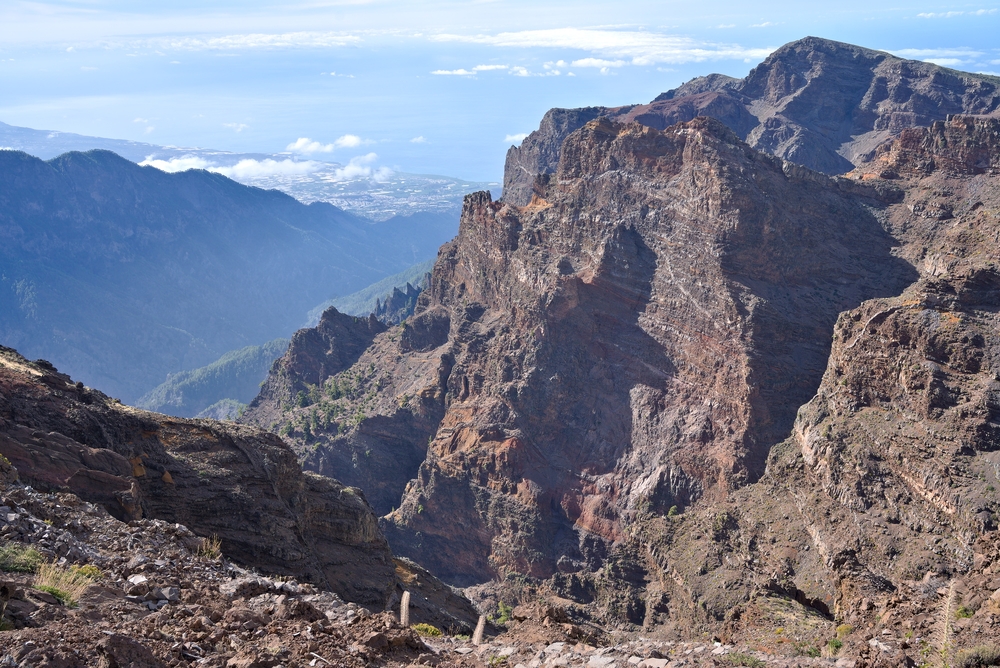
[791, 105]
[98, 255]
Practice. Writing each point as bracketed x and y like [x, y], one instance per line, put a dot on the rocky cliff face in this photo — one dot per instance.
[628, 395]
[881, 509]
[815, 102]
[239, 483]
[640, 335]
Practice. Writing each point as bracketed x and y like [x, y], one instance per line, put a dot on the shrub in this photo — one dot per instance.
[834, 644]
[979, 657]
[67, 585]
[844, 630]
[741, 659]
[89, 570]
[426, 630]
[19, 558]
[210, 547]
[963, 612]
[503, 615]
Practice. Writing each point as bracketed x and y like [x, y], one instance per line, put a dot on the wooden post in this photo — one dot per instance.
[404, 610]
[477, 637]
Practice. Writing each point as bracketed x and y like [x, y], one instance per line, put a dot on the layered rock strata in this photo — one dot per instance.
[635, 338]
[239, 483]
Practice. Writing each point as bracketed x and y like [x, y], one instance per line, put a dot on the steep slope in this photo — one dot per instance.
[638, 336]
[236, 376]
[819, 103]
[881, 509]
[238, 483]
[122, 274]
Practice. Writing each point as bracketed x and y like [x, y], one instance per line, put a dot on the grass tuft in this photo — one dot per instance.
[19, 558]
[741, 659]
[67, 585]
[210, 547]
[979, 657]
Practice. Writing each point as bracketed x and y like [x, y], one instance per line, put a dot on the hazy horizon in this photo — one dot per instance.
[433, 88]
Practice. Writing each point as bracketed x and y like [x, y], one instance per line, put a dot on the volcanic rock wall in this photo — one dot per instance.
[638, 336]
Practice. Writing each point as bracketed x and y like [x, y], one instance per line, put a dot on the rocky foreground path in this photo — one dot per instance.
[161, 596]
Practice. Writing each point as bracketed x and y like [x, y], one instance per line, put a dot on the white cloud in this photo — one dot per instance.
[306, 145]
[641, 47]
[943, 57]
[244, 169]
[519, 71]
[519, 137]
[303, 39]
[765, 24]
[951, 15]
[460, 72]
[249, 168]
[181, 164]
[598, 62]
[487, 68]
[140, 120]
[236, 127]
[148, 129]
[361, 167]
[724, 26]
[418, 140]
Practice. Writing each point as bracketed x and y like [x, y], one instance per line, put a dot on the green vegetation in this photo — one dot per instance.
[426, 630]
[362, 303]
[87, 570]
[844, 630]
[67, 585]
[19, 558]
[834, 644]
[978, 657]
[224, 386]
[503, 613]
[964, 613]
[741, 659]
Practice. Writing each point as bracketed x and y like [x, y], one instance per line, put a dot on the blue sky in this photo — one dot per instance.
[428, 87]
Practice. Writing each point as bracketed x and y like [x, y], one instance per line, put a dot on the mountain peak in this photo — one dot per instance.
[821, 103]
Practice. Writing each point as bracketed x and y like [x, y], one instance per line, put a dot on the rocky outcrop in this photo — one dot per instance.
[399, 304]
[637, 336]
[819, 103]
[313, 355]
[236, 482]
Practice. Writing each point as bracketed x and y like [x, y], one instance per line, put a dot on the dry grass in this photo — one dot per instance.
[67, 585]
[978, 657]
[210, 548]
